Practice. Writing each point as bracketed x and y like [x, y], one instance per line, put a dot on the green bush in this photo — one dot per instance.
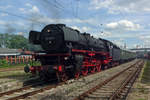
[35, 63]
[3, 63]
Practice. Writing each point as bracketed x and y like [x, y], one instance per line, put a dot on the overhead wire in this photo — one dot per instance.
[71, 3]
[64, 10]
[46, 1]
[59, 4]
[57, 7]
[77, 7]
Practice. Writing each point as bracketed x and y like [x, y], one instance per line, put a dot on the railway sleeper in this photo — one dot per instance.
[102, 93]
[90, 97]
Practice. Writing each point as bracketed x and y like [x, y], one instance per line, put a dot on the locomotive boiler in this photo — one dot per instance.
[58, 38]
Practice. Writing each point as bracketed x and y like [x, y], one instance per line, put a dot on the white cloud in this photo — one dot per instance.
[123, 25]
[112, 25]
[98, 4]
[3, 14]
[28, 4]
[88, 21]
[5, 7]
[116, 6]
[75, 27]
[102, 34]
[22, 10]
[48, 20]
[85, 29]
[18, 23]
[33, 9]
[2, 22]
[82, 29]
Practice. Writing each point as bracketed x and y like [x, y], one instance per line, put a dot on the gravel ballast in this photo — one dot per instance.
[74, 88]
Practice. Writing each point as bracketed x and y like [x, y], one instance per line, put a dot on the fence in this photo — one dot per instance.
[18, 59]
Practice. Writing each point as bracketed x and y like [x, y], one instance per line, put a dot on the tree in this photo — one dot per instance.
[4, 40]
[18, 42]
[13, 41]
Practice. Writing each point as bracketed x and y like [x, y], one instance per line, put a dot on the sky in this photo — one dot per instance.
[124, 22]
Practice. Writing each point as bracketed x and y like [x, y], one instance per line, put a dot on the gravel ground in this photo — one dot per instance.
[10, 85]
[75, 87]
[12, 80]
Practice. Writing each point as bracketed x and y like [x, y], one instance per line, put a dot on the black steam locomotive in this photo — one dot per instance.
[69, 53]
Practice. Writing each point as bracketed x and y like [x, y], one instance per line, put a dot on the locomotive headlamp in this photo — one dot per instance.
[48, 30]
[66, 58]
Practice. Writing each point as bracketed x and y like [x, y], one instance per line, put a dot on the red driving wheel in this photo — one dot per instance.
[84, 71]
[98, 67]
[77, 74]
[62, 76]
[93, 69]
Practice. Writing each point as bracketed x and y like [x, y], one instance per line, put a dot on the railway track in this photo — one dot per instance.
[115, 87]
[24, 92]
[27, 91]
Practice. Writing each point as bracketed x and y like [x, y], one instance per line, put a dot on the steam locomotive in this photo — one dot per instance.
[69, 53]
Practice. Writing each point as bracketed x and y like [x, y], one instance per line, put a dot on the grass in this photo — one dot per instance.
[14, 74]
[4, 64]
[12, 66]
[146, 73]
[141, 99]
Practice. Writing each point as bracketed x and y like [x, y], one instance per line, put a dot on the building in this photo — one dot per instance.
[141, 52]
[9, 52]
